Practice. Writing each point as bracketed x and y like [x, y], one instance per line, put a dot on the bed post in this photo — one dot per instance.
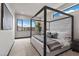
[45, 18]
[72, 29]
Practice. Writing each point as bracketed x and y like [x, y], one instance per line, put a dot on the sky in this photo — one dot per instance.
[26, 23]
[69, 10]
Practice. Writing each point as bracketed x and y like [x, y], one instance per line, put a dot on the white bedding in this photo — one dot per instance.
[63, 42]
[39, 45]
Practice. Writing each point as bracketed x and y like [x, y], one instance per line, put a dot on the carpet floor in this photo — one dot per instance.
[22, 47]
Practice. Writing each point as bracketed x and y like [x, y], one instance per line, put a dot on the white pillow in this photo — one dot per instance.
[63, 35]
[53, 31]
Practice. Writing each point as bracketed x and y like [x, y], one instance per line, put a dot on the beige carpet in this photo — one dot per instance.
[22, 47]
[70, 53]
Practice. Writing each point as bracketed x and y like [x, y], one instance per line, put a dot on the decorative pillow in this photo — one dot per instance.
[48, 34]
[52, 35]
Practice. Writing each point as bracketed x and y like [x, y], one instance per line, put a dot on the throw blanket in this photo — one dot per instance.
[52, 44]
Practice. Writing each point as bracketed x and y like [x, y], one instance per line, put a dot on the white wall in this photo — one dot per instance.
[65, 25]
[62, 25]
[6, 41]
[21, 33]
[0, 16]
[76, 25]
[6, 37]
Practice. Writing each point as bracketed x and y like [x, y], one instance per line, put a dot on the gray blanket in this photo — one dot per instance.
[52, 44]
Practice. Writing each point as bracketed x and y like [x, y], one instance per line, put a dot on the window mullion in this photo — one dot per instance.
[22, 25]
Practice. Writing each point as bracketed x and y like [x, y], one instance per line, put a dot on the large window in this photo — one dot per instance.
[24, 24]
[69, 10]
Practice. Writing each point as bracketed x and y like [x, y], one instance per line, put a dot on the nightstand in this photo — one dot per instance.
[75, 45]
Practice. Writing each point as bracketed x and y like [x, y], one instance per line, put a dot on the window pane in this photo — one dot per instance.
[33, 26]
[57, 14]
[33, 23]
[19, 24]
[72, 9]
[69, 10]
[26, 23]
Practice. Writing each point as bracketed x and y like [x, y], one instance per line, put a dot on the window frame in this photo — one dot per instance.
[22, 28]
[66, 9]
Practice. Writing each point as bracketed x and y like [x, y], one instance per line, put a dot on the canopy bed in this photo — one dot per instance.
[53, 35]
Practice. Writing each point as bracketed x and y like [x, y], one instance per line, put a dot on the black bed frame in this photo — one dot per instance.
[45, 8]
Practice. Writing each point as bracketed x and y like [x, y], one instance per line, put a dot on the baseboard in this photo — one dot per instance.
[10, 48]
[22, 37]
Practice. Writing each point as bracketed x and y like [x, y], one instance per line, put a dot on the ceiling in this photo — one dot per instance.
[31, 9]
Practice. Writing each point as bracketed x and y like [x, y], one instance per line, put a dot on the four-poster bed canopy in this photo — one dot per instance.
[45, 21]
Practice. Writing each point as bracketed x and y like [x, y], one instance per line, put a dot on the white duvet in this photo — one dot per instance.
[63, 42]
[39, 45]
